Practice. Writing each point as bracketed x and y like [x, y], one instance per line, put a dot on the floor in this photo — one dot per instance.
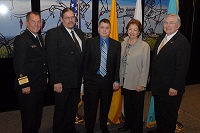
[189, 116]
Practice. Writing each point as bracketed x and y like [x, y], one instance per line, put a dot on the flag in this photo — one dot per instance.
[116, 104]
[173, 6]
[138, 11]
[151, 121]
[74, 5]
[113, 21]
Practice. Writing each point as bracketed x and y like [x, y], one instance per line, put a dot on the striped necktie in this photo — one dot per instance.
[38, 39]
[76, 41]
[103, 70]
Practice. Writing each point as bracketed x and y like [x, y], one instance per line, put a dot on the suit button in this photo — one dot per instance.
[44, 64]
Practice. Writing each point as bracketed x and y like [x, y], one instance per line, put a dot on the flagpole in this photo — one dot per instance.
[79, 14]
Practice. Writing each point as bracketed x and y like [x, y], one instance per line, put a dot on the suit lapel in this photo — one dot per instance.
[110, 49]
[168, 44]
[34, 39]
[97, 48]
[69, 40]
[83, 42]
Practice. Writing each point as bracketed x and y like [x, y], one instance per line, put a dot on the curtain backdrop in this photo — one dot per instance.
[190, 27]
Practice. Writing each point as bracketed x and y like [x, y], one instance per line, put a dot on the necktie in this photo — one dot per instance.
[103, 70]
[163, 43]
[76, 41]
[38, 39]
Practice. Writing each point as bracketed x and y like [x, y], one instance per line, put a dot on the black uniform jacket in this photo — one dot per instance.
[30, 63]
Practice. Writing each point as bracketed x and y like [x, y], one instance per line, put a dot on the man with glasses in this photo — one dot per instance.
[169, 67]
[65, 50]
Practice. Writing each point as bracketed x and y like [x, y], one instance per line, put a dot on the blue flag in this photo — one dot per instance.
[172, 7]
[74, 6]
[151, 113]
[151, 121]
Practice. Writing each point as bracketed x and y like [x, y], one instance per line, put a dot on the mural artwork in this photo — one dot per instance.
[12, 18]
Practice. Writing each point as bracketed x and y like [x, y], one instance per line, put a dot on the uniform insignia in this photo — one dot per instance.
[23, 80]
[33, 46]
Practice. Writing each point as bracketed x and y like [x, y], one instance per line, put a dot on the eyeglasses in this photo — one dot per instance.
[170, 23]
[69, 18]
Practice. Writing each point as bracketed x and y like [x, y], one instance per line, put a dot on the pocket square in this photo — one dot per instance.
[33, 46]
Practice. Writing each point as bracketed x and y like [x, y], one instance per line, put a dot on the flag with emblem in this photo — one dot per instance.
[74, 5]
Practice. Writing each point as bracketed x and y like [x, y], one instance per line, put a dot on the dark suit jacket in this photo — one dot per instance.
[30, 60]
[93, 58]
[65, 62]
[170, 65]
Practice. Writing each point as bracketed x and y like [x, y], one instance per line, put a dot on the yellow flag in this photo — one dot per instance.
[113, 21]
[116, 104]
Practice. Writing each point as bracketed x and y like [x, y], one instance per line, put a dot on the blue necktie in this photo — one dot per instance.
[103, 70]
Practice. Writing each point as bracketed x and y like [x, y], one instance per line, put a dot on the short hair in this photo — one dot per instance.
[105, 21]
[67, 9]
[137, 22]
[33, 12]
[178, 19]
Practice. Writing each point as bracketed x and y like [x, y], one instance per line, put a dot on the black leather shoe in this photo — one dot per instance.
[105, 131]
[152, 131]
[123, 128]
[89, 131]
[77, 131]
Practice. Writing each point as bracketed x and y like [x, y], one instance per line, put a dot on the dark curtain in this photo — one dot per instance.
[189, 12]
[95, 15]
[35, 5]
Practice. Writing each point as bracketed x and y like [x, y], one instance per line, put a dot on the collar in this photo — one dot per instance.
[35, 35]
[106, 40]
[170, 36]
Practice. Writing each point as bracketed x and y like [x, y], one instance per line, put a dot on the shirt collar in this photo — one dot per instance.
[69, 30]
[106, 40]
[170, 36]
[35, 35]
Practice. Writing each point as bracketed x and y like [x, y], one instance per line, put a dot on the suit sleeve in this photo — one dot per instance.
[182, 64]
[86, 57]
[20, 60]
[52, 47]
[118, 55]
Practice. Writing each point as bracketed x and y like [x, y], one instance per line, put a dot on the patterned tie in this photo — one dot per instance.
[163, 43]
[76, 41]
[103, 70]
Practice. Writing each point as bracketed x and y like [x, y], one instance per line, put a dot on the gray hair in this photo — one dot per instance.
[178, 19]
